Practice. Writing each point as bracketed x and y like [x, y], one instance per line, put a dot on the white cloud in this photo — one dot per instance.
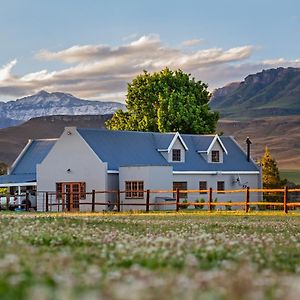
[192, 42]
[102, 71]
[5, 71]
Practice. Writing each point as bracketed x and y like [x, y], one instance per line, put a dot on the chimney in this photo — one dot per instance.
[248, 142]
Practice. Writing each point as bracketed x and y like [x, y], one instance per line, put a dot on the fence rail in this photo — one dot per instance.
[75, 200]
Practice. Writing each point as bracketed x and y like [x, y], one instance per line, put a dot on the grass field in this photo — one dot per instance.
[291, 175]
[150, 256]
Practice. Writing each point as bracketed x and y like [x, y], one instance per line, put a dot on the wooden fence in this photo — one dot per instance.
[283, 201]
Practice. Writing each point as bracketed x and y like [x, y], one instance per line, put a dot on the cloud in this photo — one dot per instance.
[5, 71]
[191, 43]
[102, 71]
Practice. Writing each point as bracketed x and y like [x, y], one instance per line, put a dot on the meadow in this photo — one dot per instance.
[228, 255]
[291, 175]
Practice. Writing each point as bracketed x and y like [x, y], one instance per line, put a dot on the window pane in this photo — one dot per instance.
[128, 189]
[181, 185]
[141, 189]
[134, 189]
[215, 157]
[202, 186]
[82, 190]
[176, 155]
[220, 186]
[58, 190]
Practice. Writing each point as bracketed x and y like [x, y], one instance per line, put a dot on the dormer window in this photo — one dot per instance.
[215, 156]
[176, 155]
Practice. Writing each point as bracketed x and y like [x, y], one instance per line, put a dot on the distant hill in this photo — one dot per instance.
[281, 134]
[13, 139]
[45, 104]
[273, 92]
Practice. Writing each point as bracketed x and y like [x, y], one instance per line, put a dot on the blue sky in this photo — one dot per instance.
[94, 48]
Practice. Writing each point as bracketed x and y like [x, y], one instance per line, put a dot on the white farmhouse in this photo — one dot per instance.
[82, 160]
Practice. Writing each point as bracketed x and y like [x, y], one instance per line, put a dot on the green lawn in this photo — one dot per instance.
[150, 256]
[291, 175]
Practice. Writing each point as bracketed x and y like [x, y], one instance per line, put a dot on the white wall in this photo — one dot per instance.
[72, 152]
[154, 178]
[251, 180]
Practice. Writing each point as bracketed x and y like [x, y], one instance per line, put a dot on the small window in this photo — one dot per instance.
[202, 186]
[220, 186]
[215, 156]
[176, 155]
[134, 189]
[181, 185]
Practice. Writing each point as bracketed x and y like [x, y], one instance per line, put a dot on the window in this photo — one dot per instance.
[220, 186]
[134, 189]
[202, 186]
[176, 155]
[65, 187]
[215, 156]
[181, 185]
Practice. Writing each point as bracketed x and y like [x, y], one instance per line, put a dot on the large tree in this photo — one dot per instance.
[3, 168]
[271, 177]
[166, 101]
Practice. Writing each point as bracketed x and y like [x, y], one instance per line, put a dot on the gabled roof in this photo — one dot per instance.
[177, 136]
[132, 148]
[24, 167]
[216, 138]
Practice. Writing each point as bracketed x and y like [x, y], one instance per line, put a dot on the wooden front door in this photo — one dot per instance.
[72, 195]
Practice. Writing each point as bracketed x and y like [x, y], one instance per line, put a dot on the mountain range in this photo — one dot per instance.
[273, 92]
[46, 104]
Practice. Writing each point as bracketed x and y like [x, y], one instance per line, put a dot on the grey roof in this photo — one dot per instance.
[132, 148]
[24, 169]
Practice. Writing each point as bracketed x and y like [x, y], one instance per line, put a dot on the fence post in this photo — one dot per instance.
[209, 198]
[147, 201]
[118, 201]
[285, 199]
[93, 200]
[47, 201]
[247, 199]
[177, 199]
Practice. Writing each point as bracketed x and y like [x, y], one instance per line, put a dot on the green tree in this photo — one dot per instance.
[166, 101]
[271, 178]
[3, 168]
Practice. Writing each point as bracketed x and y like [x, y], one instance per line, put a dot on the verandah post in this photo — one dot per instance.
[27, 201]
[285, 199]
[177, 199]
[118, 201]
[147, 201]
[209, 198]
[93, 200]
[247, 199]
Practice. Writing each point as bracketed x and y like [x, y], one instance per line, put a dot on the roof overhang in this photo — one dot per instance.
[12, 184]
[216, 172]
